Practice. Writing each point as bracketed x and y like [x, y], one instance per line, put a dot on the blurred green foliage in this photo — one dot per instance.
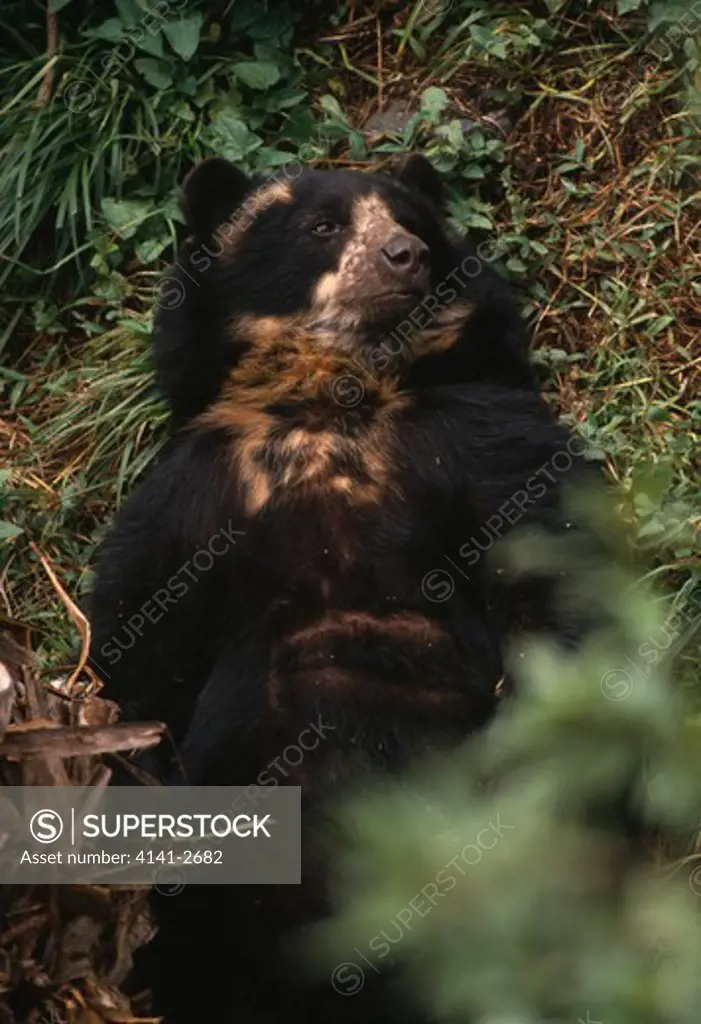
[547, 871]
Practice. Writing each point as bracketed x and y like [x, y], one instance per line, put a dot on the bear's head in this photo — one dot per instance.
[354, 252]
[364, 264]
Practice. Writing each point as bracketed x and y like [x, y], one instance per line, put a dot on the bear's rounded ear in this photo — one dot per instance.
[416, 172]
[211, 192]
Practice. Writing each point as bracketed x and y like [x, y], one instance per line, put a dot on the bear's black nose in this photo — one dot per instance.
[405, 255]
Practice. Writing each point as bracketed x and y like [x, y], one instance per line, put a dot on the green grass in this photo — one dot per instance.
[593, 194]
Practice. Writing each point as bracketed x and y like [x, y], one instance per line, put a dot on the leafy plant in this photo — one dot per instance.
[511, 881]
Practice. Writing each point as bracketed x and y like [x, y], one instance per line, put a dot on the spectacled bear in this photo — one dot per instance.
[354, 416]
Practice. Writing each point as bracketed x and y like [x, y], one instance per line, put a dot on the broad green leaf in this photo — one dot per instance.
[57, 5]
[111, 30]
[477, 220]
[151, 42]
[473, 172]
[257, 74]
[331, 105]
[652, 479]
[182, 110]
[668, 12]
[184, 34]
[112, 289]
[515, 264]
[156, 72]
[266, 158]
[433, 100]
[453, 134]
[281, 99]
[151, 248]
[485, 39]
[124, 216]
[130, 14]
[8, 531]
[234, 138]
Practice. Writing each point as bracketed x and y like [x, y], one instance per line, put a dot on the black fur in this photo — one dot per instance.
[340, 530]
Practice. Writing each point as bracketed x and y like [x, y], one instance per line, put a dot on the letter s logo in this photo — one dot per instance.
[46, 826]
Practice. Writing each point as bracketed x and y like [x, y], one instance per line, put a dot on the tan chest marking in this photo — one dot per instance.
[271, 457]
[306, 461]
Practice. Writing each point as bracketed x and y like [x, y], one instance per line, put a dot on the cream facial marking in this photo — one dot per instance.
[356, 277]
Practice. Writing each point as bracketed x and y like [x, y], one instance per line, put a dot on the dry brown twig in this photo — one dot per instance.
[47, 82]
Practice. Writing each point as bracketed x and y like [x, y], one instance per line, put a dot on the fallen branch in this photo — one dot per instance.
[24, 741]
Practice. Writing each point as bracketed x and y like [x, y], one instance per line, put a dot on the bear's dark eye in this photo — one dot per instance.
[326, 227]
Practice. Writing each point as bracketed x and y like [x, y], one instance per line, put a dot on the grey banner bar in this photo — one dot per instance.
[168, 836]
